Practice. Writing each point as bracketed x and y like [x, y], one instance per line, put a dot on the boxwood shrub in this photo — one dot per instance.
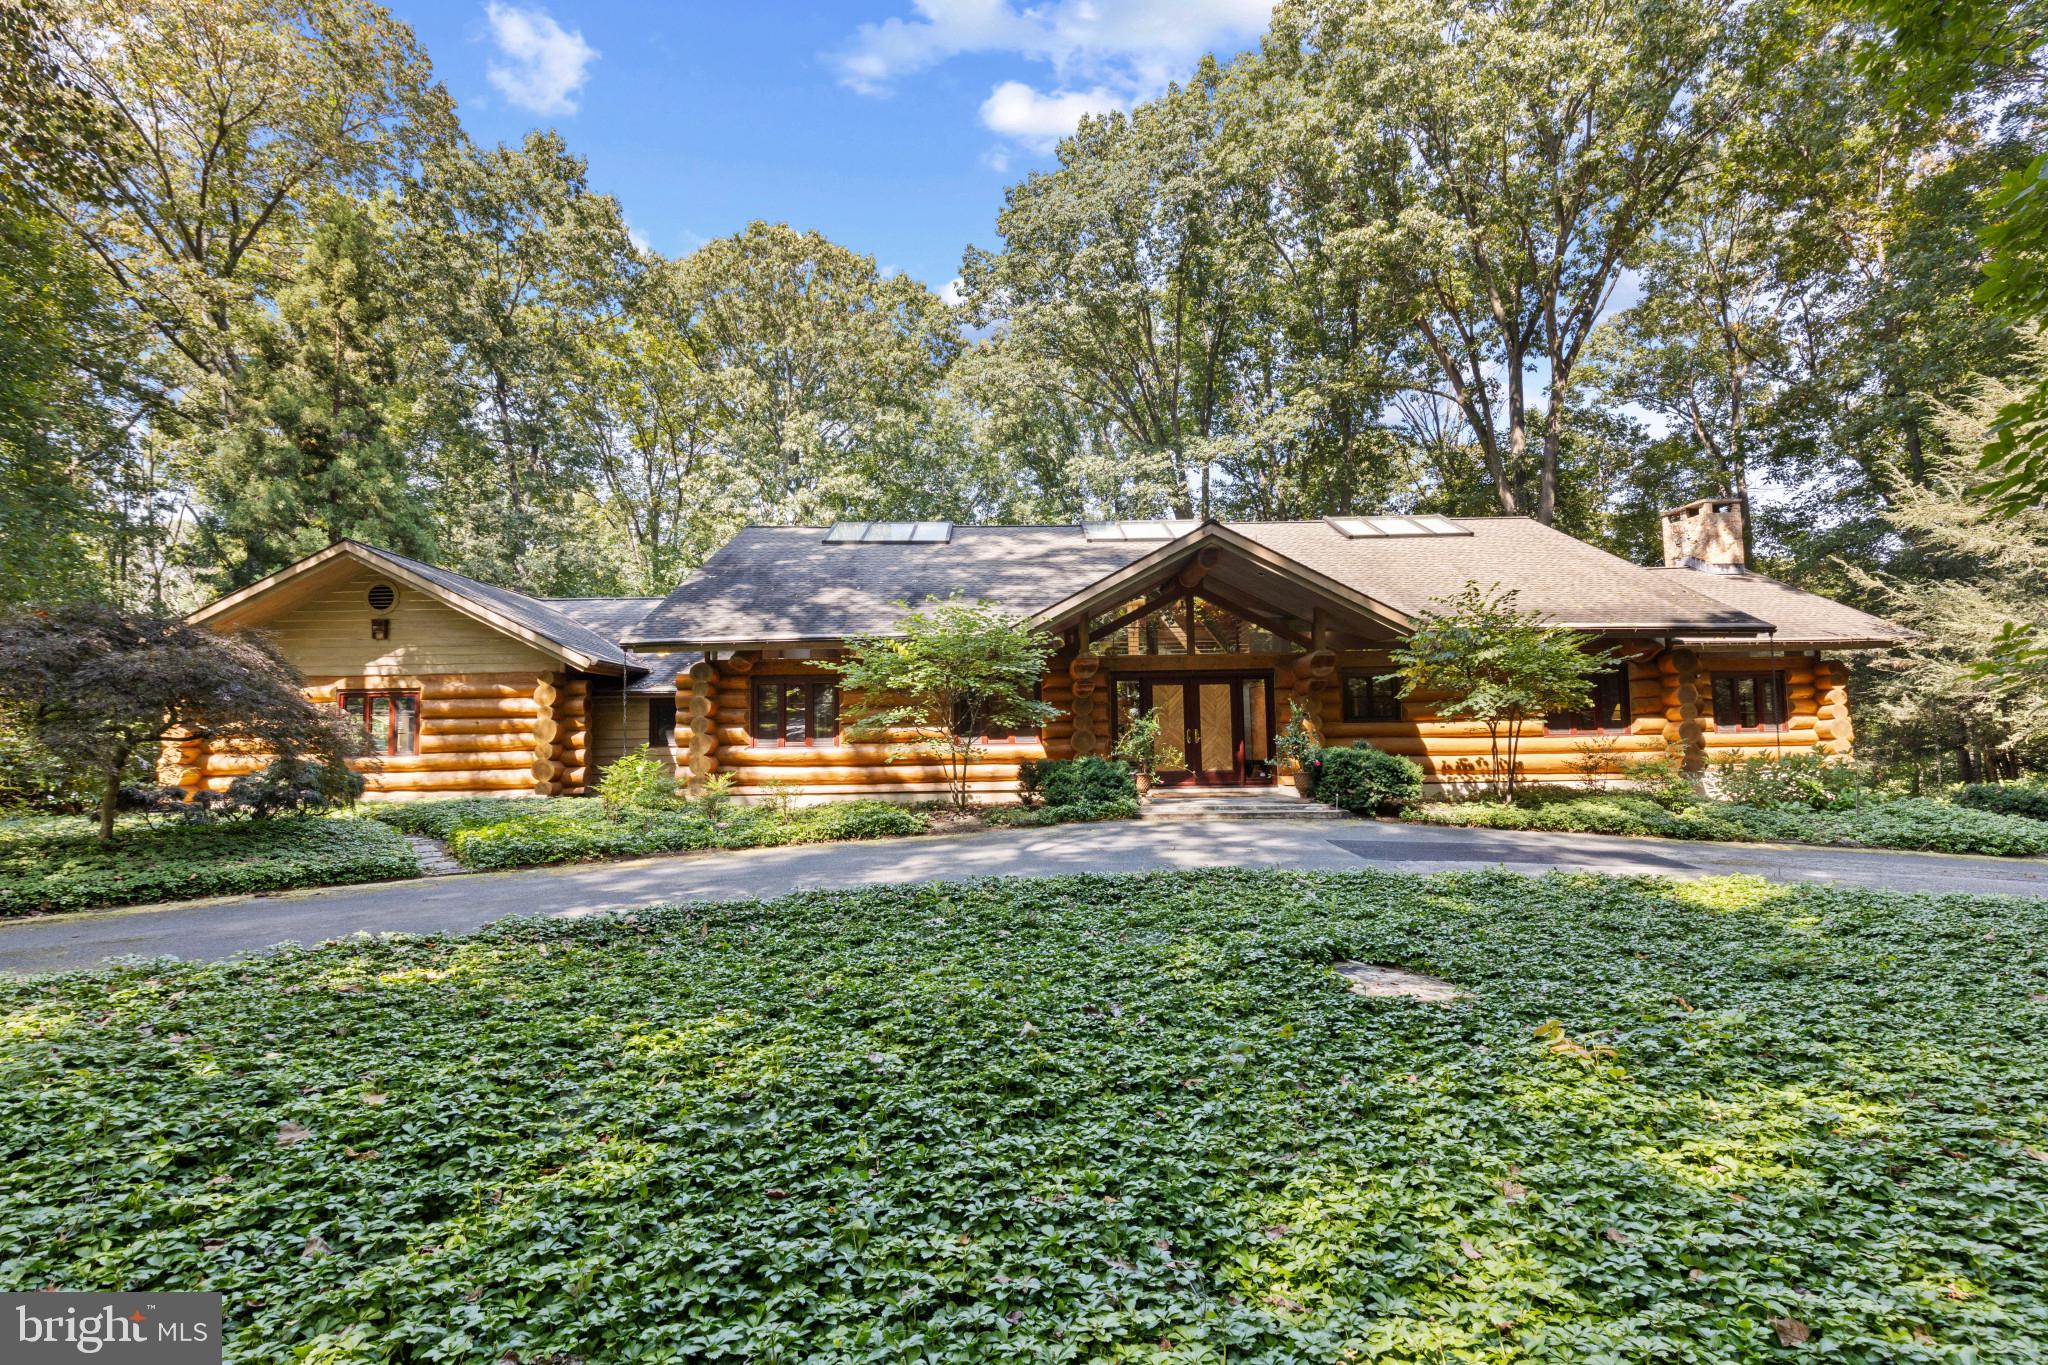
[1085, 781]
[1364, 781]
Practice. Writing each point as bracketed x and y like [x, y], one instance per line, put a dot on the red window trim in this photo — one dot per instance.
[1773, 677]
[781, 740]
[1562, 723]
[363, 696]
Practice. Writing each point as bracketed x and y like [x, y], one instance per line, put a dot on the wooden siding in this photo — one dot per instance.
[330, 634]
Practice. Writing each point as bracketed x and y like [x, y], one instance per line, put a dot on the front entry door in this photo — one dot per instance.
[1221, 725]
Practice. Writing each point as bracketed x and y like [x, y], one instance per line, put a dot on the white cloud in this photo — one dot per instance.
[996, 159]
[1103, 54]
[1037, 120]
[952, 294]
[542, 66]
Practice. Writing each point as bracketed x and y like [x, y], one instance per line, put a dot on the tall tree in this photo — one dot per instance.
[515, 272]
[1504, 161]
[318, 451]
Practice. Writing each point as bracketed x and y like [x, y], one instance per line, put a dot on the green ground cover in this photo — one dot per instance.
[1918, 823]
[495, 832]
[1133, 1118]
[55, 862]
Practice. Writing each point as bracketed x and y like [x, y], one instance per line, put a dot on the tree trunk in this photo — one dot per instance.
[110, 801]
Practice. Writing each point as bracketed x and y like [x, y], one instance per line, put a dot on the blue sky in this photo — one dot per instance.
[892, 127]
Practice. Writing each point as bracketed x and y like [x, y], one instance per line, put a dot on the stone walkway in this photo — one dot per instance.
[453, 904]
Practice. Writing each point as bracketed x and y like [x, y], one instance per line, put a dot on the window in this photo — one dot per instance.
[1608, 711]
[998, 733]
[1372, 696]
[661, 723]
[1749, 701]
[795, 711]
[390, 719]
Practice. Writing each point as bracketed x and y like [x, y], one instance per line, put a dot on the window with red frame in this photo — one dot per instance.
[1749, 701]
[391, 720]
[1000, 733]
[1608, 712]
[795, 711]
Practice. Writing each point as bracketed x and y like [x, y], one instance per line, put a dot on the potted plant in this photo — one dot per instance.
[1142, 747]
[1297, 745]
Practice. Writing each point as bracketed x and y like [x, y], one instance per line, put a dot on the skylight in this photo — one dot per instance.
[889, 533]
[1373, 528]
[1137, 530]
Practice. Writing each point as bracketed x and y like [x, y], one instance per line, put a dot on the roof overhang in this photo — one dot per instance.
[266, 597]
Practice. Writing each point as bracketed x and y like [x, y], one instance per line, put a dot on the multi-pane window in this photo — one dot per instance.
[1607, 711]
[962, 722]
[1372, 696]
[1749, 701]
[795, 711]
[390, 719]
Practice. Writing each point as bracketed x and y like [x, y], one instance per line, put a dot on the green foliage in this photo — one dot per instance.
[1497, 664]
[951, 670]
[1031, 775]
[58, 862]
[35, 781]
[1912, 823]
[2006, 798]
[1817, 781]
[1069, 1119]
[1142, 744]
[497, 832]
[1087, 780]
[1663, 779]
[1297, 742]
[1365, 781]
[1063, 813]
[637, 782]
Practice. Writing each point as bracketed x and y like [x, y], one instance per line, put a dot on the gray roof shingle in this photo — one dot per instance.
[1801, 618]
[531, 612]
[785, 584]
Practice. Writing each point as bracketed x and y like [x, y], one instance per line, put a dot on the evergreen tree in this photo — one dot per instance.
[319, 453]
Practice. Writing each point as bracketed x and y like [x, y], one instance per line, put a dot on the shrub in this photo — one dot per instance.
[32, 779]
[1662, 779]
[856, 820]
[638, 781]
[1020, 817]
[1364, 781]
[1814, 780]
[1031, 775]
[2005, 798]
[1087, 781]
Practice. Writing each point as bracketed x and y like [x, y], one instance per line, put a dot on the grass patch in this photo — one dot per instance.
[493, 832]
[1917, 823]
[1130, 1118]
[55, 862]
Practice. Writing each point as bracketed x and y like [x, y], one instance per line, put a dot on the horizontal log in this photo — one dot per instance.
[874, 774]
[435, 742]
[477, 708]
[845, 755]
[477, 725]
[445, 689]
[476, 779]
[1791, 741]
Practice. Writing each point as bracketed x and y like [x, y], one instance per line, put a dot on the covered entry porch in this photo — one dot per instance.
[1220, 638]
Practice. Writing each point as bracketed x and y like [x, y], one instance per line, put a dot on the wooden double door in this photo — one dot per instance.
[1221, 723]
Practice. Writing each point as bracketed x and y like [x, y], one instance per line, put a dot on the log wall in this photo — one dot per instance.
[480, 734]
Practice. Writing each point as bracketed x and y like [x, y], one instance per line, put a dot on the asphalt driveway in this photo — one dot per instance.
[222, 927]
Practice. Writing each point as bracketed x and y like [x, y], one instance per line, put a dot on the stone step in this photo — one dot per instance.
[435, 860]
[1249, 806]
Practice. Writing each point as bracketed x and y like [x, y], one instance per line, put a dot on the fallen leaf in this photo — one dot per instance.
[1472, 1253]
[374, 1099]
[1511, 1191]
[289, 1133]
[1617, 1236]
[315, 1248]
[1791, 1331]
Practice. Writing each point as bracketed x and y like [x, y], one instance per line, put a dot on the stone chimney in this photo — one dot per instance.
[1705, 535]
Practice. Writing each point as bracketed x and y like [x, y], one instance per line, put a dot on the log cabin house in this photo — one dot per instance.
[468, 688]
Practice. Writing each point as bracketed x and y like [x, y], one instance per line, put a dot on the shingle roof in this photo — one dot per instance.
[1801, 618]
[611, 617]
[773, 584]
[662, 671]
[1569, 581]
[785, 583]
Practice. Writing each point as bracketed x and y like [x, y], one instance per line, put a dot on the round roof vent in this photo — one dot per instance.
[382, 595]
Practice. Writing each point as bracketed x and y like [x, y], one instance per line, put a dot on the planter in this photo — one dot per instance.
[1300, 778]
[1144, 781]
